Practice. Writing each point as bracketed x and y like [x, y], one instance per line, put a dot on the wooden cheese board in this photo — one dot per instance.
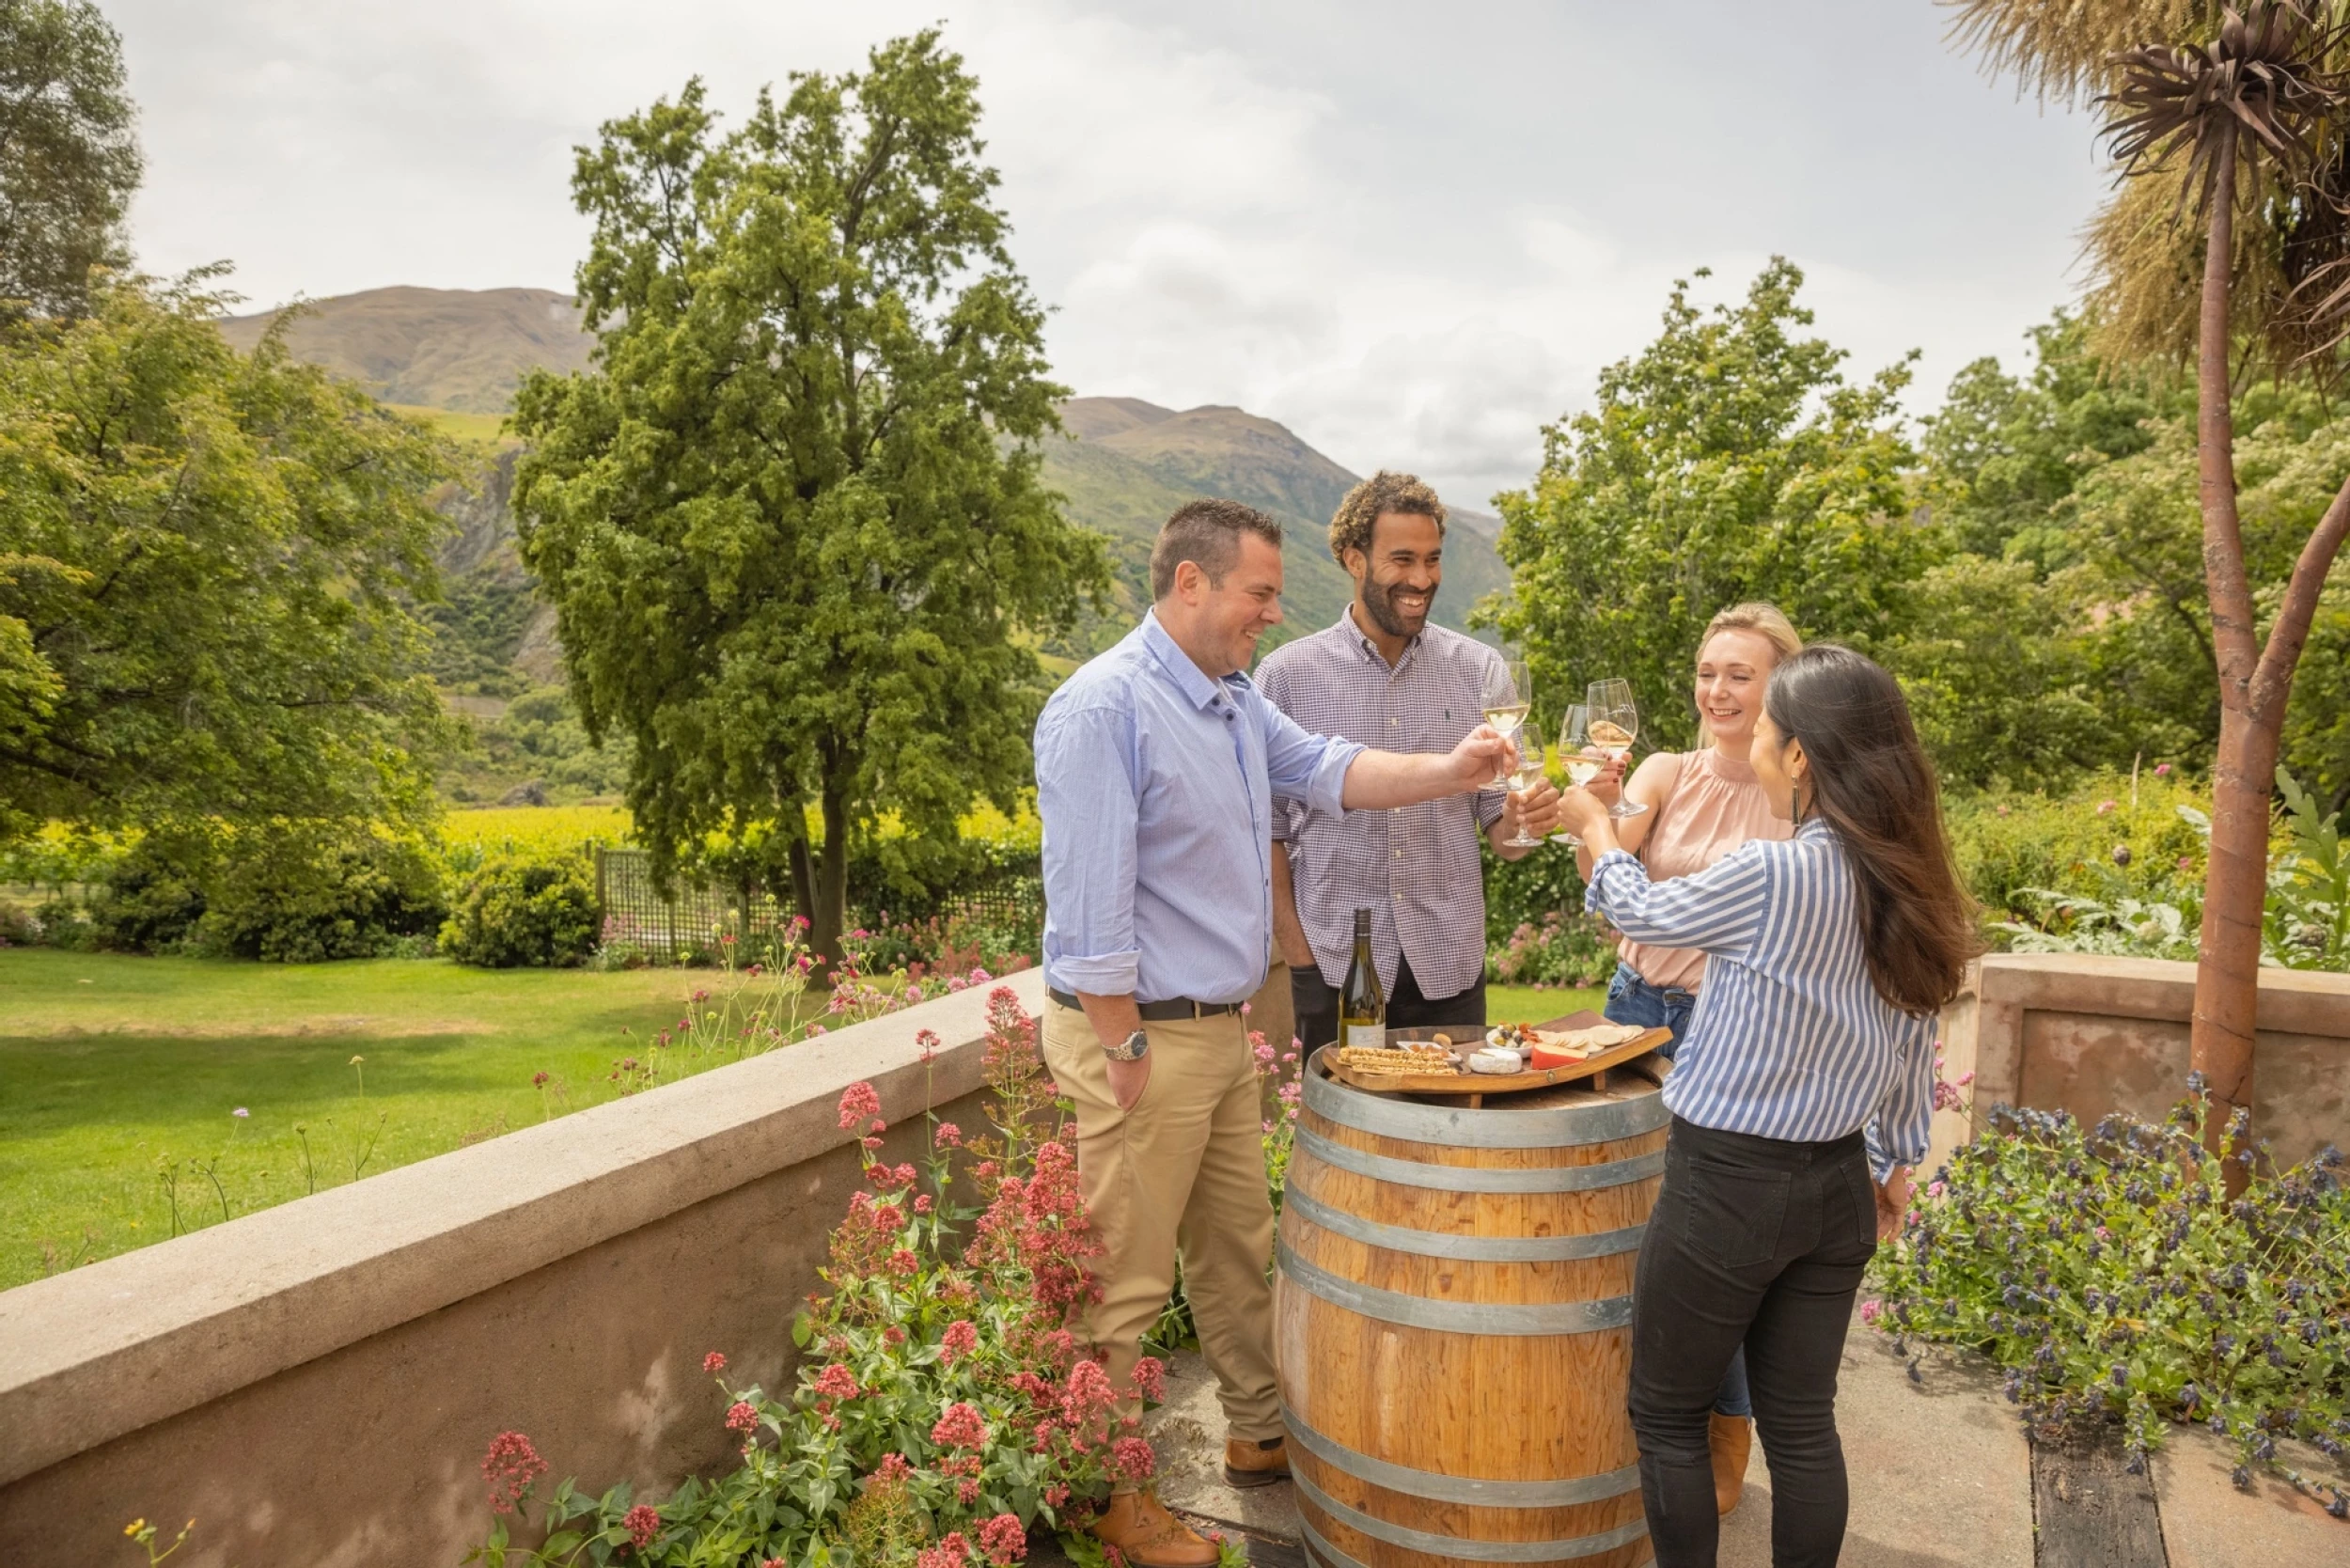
[1475, 1086]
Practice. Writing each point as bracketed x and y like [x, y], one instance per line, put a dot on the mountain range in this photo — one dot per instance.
[1124, 464]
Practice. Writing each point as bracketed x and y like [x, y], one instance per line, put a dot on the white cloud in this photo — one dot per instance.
[1414, 238]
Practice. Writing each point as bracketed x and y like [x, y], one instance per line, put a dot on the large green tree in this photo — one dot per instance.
[69, 153]
[792, 522]
[207, 564]
[1726, 461]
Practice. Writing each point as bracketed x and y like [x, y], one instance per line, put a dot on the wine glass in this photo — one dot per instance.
[1615, 723]
[1576, 752]
[1508, 693]
[1530, 771]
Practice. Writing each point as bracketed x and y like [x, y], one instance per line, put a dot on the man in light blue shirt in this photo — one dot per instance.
[1157, 766]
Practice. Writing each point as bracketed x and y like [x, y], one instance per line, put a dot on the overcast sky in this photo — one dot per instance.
[1412, 232]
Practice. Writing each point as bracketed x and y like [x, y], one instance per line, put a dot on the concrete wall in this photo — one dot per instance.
[2077, 1033]
[315, 1383]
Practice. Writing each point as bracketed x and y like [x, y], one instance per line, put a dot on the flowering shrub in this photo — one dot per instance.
[943, 1406]
[2108, 1271]
[1563, 949]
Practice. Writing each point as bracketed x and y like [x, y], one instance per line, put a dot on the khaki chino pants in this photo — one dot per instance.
[1182, 1172]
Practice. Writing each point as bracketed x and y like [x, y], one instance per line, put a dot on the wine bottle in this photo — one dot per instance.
[1362, 1006]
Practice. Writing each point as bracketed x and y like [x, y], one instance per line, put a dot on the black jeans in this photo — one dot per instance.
[1317, 1003]
[1761, 1241]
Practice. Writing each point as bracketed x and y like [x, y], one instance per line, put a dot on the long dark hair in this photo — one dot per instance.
[1871, 783]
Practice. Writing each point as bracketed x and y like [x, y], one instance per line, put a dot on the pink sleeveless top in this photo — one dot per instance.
[1716, 806]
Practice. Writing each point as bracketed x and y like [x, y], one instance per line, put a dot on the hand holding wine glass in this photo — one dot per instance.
[1581, 760]
[1615, 723]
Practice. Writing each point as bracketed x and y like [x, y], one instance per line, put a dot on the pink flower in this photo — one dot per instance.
[2106, 808]
[713, 1362]
[642, 1524]
[927, 1039]
[837, 1382]
[2162, 770]
[1003, 1540]
[1936, 1189]
[1132, 1458]
[1151, 1378]
[742, 1416]
[953, 1552]
[903, 1264]
[1870, 1311]
[1056, 1495]
[894, 1469]
[960, 1427]
[961, 1339]
[966, 1492]
[922, 1203]
[510, 1467]
[948, 1135]
[869, 1143]
[858, 1102]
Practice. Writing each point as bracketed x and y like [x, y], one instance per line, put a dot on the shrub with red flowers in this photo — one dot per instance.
[943, 1407]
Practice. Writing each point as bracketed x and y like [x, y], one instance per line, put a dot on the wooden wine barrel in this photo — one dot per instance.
[1454, 1310]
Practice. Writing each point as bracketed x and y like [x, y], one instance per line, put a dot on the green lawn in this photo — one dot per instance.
[1523, 1004]
[116, 1071]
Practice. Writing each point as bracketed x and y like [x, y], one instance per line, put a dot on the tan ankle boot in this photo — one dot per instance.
[1248, 1464]
[1730, 1437]
[1150, 1537]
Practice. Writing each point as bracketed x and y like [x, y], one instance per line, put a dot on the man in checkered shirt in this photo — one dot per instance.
[1383, 676]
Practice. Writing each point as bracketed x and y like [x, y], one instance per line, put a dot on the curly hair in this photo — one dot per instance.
[1351, 525]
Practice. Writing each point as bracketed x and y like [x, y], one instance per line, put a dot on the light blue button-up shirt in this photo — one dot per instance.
[1155, 785]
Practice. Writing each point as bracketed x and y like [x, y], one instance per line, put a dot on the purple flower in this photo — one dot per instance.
[241, 1111]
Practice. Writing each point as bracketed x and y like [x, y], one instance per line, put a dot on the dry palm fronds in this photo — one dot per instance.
[2064, 49]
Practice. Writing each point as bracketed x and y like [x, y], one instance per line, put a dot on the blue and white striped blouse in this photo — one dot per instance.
[1789, 1039]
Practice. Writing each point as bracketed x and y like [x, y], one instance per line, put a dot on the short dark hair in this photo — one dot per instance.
[1351, 525]
[1207, 534]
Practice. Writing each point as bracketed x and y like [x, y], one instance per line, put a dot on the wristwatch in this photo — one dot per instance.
[1132, 1048]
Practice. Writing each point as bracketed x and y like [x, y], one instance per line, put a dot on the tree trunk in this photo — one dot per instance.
[2236, 887]
[832, 882]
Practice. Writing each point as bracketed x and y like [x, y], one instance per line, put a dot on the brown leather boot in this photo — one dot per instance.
[1260, 1464]
[1150, 1537]
[1729, 1437]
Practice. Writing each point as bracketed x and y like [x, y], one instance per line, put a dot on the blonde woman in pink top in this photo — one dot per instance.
[1701, 805]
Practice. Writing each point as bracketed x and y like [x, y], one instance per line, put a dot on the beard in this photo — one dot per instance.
[1378, 600]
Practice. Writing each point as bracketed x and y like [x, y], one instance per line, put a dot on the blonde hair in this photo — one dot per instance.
[1767, 621]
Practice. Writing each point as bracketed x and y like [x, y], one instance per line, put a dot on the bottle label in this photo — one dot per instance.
[1366, 1034]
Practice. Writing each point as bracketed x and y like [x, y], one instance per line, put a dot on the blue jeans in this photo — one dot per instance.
[1633, 1000]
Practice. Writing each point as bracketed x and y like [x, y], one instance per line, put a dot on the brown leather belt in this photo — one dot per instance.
[1160, 1012]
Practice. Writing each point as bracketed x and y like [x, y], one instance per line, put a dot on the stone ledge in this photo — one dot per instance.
[92, 1354]
[2291, 1001]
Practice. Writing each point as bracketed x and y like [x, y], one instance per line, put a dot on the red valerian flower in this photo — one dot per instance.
[953, 1552]
[1132, 1458]
[894, 1469]
[642, 1523]
[742, 1416]
[961, 1427]
[1055, 1495]
[922, 1203]
[510, 1467]
[903, 1264]
[961, 1339]
[837, 1382]
[966, 1492]
[1003, 1540]
[1151, 1378]
[948, 1135]
[715, 1362]
[858, 1102]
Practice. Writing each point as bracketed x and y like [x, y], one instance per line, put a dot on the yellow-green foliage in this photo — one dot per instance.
[469, 835]
[2008, 842]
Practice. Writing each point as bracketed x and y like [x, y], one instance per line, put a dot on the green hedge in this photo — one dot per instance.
[525, 910]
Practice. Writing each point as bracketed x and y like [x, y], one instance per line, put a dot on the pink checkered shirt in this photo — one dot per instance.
[1415, 867]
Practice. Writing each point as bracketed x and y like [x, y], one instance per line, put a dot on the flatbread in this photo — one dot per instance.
[1591, 1040]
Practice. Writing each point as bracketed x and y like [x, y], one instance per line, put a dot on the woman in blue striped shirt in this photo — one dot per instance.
[1801, 1093]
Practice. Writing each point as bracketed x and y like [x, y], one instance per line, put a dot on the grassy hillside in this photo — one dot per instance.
[454, 357]
[461, 349]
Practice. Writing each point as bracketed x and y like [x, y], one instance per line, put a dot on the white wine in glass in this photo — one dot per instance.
[1615, 724]
[1582, 762]
[1530, 773]
[1509, 695]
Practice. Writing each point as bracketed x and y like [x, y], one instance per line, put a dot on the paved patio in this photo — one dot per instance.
[1942, 1476]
